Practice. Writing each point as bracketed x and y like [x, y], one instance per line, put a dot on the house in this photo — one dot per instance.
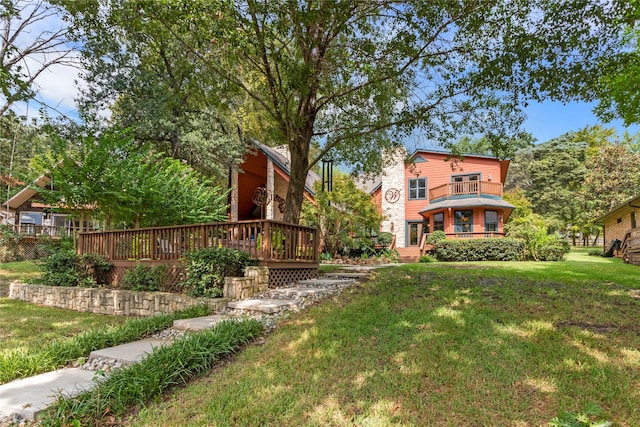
[433, 190]
[259, 186]
[621, 223]
[30, 215]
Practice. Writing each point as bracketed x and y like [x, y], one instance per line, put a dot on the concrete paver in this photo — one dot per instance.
[347, 275]
[300, 292]
[268, 306]
[198, 323]
[130, 352]
[29, 396]
[325, 282]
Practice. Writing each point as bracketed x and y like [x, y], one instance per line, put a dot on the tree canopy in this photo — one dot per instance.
[356, 77]
[126, 184]
[29, 46]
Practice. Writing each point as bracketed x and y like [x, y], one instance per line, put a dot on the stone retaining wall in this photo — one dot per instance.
[121, 302]
[109, 301]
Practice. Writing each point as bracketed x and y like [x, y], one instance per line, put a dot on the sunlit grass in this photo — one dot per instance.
[30, 326]
[439, 344]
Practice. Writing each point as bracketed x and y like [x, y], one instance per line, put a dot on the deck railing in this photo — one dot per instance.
[263, 239]
[466, 188]
[32, 230]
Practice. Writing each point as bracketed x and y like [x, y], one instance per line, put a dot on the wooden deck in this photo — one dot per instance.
[263, 240]
[290, 251]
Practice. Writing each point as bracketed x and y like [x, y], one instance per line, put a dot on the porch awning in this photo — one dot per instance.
[469, 202]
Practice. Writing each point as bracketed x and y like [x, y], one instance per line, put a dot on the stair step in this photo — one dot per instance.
[300, 291]
[346, 275]
[29, 396]
[325, 282]
[268, 306]
[130, 352]
[198, 323]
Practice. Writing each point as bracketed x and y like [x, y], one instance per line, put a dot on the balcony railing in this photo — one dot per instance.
[466, 188]
[263, 239]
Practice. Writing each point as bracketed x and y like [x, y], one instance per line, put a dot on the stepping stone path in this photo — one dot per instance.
[22, 400]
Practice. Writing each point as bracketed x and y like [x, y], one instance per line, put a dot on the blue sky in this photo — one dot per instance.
[549, 119]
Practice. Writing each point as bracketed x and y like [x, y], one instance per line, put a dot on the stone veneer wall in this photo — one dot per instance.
[136, 303]
[393, 177]
[256, 279]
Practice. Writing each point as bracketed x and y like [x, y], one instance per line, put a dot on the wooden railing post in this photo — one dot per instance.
[266, 240]
[153, 241]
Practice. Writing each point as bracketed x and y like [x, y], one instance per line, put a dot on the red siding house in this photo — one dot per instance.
[432, 190]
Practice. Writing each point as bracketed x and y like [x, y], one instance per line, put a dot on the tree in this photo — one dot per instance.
[613, 176]
[493, 145]
[33, 38]
[356, 77]
[342, 213]
[127, 185]
[553, 175]
[157, 88]
[619, 85]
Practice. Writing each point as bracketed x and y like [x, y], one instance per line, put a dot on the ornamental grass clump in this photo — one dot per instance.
[22, 363]
[166, 367]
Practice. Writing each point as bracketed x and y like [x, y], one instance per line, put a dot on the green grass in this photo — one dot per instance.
[166, 367]
[472, 344]
[56, 352]
[19, 270]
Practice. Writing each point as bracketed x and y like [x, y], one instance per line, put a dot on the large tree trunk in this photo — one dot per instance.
[299, 149]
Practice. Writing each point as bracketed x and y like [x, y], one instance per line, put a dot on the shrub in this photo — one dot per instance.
[551, 252]
[426, 258]
[480, 250]
[436, 237]
[145, 278]
[66, 268]
[595, 252]
[385, 239]
[207, 268]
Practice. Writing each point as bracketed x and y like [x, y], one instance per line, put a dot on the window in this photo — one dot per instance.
[417, 188]
[463, 221]
[29, 221]
[34, 218]
[413, 233]
[633, 220]
[470, 177]
[491, 221]
[438, 221]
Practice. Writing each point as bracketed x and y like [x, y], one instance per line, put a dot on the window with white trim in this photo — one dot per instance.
[417, 188]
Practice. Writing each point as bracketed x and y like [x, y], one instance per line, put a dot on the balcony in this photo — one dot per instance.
[466, 189]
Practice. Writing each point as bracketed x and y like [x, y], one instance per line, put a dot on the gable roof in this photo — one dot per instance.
[633, 202]
[26, 193]
[275, 154]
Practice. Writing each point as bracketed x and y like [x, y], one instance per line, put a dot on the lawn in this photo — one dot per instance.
[25, 327]
[470, 344]
[10, 271]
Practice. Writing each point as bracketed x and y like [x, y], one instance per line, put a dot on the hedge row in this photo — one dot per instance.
[480, 250]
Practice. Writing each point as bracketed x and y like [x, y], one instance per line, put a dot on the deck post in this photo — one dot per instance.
[153, 241]
[266, 241]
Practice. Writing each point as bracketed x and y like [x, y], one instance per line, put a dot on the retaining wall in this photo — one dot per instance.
[121, 302]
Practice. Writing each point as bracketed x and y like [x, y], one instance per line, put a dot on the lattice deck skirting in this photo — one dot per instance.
[286, 276]
[280, 274]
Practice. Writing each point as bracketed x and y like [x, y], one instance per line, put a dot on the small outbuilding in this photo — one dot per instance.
[621, 224]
